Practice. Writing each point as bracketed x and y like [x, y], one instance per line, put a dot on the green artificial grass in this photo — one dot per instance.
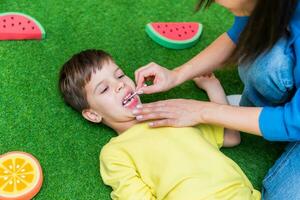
[34, 118]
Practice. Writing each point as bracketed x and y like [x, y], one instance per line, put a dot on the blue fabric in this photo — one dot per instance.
[239, 24]
[283, 179]
[283, 123]
[272, 81]
[280, 117]
[269, 80]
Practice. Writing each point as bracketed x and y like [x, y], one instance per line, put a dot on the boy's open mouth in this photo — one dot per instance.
[127, 98]
[130, 101]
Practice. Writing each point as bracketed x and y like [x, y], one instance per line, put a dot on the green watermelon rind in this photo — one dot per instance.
[173, 44]
[29, 17]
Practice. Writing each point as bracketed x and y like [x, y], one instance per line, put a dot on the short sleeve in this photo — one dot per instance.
[213, 134]
[118, 171]
[237, 28]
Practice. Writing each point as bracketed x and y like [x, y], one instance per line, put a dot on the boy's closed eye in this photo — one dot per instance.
[104, 90]
[120, 74]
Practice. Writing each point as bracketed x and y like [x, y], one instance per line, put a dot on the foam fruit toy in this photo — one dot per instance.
[18, 26]
[21, 176]
[175, 35]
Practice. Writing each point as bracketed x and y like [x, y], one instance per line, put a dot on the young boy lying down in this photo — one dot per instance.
[142, 163]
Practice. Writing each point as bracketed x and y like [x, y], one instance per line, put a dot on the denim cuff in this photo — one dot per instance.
[271, 124]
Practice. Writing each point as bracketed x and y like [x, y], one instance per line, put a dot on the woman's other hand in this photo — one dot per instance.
[174, 112]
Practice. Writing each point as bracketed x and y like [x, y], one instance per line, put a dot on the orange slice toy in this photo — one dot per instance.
[21, 176]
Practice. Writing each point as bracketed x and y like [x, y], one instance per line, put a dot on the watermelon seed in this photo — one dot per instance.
[166, 25]
[164, 32]
[12, 24]
[183, 27]
[20, 23]
[23, 28]
[4, 20]
[158, 26]
[171, 30]
[4, 26]
[176, 29]
[28, 22]
[12, 17]
[32, 27]
[185, 32]
[179, 35]
[190, 26]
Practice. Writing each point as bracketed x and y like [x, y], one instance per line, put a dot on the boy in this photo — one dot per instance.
[143, 163]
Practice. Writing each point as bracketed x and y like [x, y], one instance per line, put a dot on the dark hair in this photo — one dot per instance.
[267, 23]
[76, 73]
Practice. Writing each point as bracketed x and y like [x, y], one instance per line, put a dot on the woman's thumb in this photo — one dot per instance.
[150, 89]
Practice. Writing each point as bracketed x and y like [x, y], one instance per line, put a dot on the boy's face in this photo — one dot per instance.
[106, 92]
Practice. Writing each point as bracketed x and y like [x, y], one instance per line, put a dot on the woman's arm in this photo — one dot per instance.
[205, 62]
[232, 117]
[211, 58]
[185, 112]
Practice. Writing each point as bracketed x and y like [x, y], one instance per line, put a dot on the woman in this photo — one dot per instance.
[265, 43]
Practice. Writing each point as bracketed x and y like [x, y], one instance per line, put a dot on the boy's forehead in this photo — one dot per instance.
[107, 70]
[109, 66]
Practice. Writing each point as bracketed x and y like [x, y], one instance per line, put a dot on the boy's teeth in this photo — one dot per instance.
[128, 101]
[128, 95]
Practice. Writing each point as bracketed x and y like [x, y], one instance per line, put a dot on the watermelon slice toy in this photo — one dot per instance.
[175, 35]
[18, 26]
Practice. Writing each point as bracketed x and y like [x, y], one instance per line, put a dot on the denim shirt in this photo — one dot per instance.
[280, 123]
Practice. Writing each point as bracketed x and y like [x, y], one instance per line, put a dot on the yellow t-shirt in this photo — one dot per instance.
[172, 164]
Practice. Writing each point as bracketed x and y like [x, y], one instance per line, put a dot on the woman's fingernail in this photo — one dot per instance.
[139, 117]
[151, 124]
[139, 106]
[135, 111]
[140, 92]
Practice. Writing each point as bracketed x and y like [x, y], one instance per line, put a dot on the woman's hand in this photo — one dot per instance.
[174, 112]
[163, 79]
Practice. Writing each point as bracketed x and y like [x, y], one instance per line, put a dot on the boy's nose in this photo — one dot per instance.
[120, 86]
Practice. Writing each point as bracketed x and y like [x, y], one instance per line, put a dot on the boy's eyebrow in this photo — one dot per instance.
[97, 86]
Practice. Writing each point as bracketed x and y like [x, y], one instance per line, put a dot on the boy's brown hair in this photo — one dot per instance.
[76, 73]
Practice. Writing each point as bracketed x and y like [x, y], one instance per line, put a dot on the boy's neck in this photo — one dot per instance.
[121, 127]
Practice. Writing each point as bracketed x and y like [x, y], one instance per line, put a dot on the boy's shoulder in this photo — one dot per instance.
[107, 150]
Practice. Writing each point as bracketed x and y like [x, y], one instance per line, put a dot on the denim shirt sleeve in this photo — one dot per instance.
[237, 28]
[281, 123]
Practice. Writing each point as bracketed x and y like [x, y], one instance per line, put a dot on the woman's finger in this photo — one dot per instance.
[154, 116]
[150, 89]
[150, 107]
[162, 123]
[143, 73]
[137, 73]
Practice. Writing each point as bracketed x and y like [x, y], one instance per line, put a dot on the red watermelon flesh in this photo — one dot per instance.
[176, 31]
[18, 26]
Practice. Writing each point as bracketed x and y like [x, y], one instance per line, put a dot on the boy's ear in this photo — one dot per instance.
[91, 115]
